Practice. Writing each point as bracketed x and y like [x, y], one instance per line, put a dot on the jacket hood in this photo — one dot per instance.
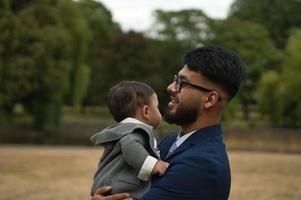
[118, 131]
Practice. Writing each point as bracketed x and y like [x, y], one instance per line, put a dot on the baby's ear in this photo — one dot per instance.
[145, 111]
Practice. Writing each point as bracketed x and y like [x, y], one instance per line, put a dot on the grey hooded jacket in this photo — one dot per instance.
[127, 145]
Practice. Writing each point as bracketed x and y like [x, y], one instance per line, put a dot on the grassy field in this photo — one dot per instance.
[61, 173]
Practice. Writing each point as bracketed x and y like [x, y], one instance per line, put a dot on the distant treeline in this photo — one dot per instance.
[63, 52]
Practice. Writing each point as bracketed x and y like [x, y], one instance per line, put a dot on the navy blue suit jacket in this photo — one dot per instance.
[199, 168]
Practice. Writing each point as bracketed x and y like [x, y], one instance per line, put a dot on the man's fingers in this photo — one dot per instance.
[122, 196]
[166, 165]
[103, 190]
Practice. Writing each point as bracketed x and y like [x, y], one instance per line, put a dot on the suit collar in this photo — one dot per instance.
[205, 133]
[198, 136]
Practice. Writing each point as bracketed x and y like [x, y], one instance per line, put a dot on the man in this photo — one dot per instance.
[199, 167]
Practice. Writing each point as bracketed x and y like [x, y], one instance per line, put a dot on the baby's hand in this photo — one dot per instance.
[160, 168]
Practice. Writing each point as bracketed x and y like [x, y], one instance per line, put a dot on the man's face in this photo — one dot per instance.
[185, 104]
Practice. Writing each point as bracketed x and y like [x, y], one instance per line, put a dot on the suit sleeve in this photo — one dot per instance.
[191, 178]
[135, 154]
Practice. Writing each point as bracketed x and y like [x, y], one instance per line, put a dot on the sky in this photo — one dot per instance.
[137, 14]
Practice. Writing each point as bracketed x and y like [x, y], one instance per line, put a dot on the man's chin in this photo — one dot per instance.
[179, 116]
[170, 110]
[168, 116]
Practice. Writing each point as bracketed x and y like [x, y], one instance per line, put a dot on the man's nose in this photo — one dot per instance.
[171, 88]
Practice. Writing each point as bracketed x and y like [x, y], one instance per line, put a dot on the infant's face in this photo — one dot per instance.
[155, 115]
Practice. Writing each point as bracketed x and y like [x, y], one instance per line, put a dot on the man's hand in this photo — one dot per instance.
[100, 192]
[160, 168]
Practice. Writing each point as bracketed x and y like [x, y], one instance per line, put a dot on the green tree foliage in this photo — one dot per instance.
[36, 58]
[48, 64]
[267, 97]
[74, 22]
[280, 92]
[81, 83]
[188, 26]
[292, 60]
[102, 30]
[129, 57]
[9, 25]
[63, 51]
[255, 48]
[279, 17]
[291, 74]
[50, 51]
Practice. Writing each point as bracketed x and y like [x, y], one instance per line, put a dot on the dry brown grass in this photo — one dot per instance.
[265, 176]
[46, 173]
[59, 173]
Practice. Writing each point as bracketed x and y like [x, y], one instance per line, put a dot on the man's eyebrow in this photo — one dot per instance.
[182, 77]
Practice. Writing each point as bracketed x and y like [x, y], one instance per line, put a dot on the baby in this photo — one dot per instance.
[130, 155]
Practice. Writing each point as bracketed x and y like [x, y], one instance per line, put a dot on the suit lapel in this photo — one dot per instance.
[181, 148]
[165, 148]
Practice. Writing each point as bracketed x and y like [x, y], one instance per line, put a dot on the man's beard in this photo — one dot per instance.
[185, 114]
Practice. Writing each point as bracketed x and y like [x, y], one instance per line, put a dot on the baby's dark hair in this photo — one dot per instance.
[222, 67]
[125, 98]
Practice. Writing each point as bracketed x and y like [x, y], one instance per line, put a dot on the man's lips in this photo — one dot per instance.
[173, 100]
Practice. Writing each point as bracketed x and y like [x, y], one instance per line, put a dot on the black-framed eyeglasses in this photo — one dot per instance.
[180, 83]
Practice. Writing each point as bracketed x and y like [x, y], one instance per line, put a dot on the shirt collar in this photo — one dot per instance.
[182, 139]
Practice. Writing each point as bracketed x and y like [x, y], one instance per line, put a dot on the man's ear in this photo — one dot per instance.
[211, 99]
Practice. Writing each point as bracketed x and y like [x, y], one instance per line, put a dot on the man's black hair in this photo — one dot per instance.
[218, 65]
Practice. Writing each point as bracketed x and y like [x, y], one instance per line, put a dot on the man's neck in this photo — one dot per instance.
[196, 125]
